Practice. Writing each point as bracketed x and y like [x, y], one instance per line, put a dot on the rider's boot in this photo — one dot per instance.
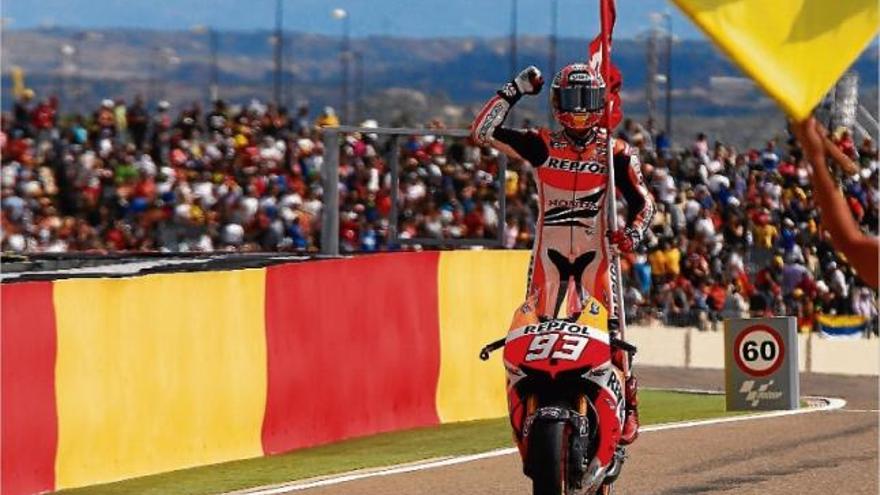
[631, 419]
[630, 429]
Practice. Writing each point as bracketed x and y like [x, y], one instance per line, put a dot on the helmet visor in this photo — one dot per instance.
[580, 99]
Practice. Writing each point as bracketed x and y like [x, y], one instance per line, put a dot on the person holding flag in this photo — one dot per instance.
[575, 248]
[797, 51]
[862, 250]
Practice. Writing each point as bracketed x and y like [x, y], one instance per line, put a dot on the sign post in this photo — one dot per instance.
[761, 364]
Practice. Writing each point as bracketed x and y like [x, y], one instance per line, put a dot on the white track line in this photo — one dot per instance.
[682, 390]
[832, 404]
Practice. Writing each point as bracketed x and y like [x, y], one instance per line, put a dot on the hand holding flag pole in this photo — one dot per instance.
[600, 55]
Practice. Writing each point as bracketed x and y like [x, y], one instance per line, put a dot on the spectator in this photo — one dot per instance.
[22, 113]
[769, 158]
[137, 120]
[657, 260]
[327, 118]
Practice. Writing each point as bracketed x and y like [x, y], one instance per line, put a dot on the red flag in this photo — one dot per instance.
[600, 59]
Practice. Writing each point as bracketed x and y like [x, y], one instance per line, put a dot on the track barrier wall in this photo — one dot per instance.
[353, 348]
[158, 373]
[692, 348]
[110, 378]
[478, 292]
[29, 423]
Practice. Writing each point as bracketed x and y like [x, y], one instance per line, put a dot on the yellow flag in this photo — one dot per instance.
[795, 49]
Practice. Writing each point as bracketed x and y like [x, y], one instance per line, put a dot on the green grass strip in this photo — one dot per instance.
[385, 449]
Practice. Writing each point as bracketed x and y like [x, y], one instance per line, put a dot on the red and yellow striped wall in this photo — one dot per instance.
[107, 379]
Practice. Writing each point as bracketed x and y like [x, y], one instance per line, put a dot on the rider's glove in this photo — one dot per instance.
[625, 240]
[528, 82]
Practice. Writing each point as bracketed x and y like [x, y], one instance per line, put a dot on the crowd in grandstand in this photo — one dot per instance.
[736, 231]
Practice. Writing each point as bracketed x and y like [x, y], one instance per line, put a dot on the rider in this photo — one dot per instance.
[571, 175]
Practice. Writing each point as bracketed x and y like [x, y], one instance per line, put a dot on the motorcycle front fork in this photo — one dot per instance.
[580, 405]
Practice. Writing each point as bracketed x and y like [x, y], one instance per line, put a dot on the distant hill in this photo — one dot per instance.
[448, 75]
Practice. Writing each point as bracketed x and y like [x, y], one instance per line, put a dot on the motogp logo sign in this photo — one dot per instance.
[754, 395]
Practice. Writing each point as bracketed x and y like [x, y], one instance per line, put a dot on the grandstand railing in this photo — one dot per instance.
[330, 179]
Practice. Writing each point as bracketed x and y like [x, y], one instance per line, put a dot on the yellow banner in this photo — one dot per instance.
[841, 320]
[478, 293]
[158, 373]
[795, 49]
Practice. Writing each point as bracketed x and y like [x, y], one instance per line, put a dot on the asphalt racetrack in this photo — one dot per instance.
[833, 452]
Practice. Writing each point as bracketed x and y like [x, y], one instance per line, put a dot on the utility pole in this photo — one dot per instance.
[279, 43]
[211, 34]
[77, 80]
[358, 85]
[214, 89]
[668, 76]
[345, 59]
[289, 75]
[554, 29]
[513, 62]
[651, 80]
[513, 29]
[346, 66]
[153, 85]
[65, 68]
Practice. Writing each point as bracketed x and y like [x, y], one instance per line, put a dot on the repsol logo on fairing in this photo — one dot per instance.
[575, 166]
[556, 326]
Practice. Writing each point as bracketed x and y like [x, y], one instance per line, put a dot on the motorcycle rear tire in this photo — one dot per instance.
[548, 453]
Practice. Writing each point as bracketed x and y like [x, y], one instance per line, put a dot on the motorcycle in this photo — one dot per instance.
[565, 399]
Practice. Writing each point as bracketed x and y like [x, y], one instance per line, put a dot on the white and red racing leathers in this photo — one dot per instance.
[571, 248]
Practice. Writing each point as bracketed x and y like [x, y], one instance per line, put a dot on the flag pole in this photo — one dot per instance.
[618, 315]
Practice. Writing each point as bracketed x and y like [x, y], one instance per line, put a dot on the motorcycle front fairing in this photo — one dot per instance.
[557, 361]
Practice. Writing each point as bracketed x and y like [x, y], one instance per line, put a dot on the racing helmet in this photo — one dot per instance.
[577, 96]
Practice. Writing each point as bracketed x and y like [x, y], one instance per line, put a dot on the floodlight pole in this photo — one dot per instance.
[668, 76]
[279, 42]
[554, 28]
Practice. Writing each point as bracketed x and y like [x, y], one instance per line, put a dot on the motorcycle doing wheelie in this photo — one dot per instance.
[565, 399]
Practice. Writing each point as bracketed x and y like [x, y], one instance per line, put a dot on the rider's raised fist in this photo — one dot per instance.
[529, 81]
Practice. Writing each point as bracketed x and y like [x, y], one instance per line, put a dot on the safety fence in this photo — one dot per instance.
[112, 378]
[393, 140]
[105, 379]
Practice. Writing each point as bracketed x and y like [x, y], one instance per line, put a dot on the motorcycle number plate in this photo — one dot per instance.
[555, 346]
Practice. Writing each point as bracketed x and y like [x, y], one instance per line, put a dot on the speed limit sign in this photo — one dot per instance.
[761, 363]
[759, 350]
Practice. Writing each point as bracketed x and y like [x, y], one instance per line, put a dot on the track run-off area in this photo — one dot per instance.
[823, 452]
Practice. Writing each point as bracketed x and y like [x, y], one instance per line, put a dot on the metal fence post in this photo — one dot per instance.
[330, 177]
[502, 200]
[394, 163]
[330, 182]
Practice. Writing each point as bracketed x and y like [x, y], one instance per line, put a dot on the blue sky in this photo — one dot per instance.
[412, 18]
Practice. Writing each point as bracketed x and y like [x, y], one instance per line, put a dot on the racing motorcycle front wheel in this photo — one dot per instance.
[548, 447]
[549, 464]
